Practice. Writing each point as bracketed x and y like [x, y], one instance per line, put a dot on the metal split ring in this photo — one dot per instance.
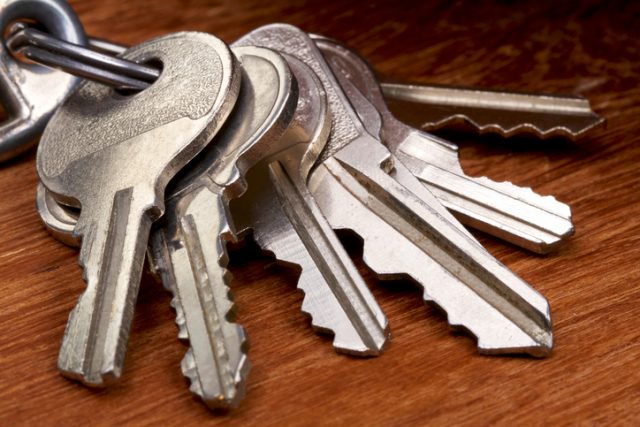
[30, 92]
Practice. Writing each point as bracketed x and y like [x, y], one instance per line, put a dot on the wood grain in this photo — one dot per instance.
[428, 375]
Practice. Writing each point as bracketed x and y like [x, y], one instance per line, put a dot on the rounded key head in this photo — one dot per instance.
[254, 130]
[101, 140]
[32, 92]
[285, 38]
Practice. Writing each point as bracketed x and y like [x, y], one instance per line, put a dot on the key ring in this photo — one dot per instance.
[89, 63]
[31, 92]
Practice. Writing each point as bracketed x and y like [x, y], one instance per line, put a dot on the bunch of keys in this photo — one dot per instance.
[288, 135]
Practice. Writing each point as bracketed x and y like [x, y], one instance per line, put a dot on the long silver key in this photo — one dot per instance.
[359, 185]
[189, 249]
[287, 222]
[516, 214]
[112, 155]
[491, 111]
[507, 113]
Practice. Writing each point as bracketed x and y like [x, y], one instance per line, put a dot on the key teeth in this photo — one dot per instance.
[162, 271]
[180, 320]
[551, 203]
[524, 128]
[319, 327]
[315, 324]
[516, 188]
[538, 347]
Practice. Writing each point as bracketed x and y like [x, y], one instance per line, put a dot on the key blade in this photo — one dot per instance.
[422, 241]
[190, 256]
[336, 297]
[515, 214]
[349, 310]
[483, 111]
[95, 339]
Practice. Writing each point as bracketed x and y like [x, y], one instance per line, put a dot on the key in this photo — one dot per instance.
[189, 248]
[491, 111]
[112, 155]
[287, 222]
[483, 111]
[518, 215]
[360, 186]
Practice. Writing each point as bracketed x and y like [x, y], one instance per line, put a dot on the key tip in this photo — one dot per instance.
[90, 379]
[223, 392]
[539, 347]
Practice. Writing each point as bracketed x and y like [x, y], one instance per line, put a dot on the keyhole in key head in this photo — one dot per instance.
[126, 91]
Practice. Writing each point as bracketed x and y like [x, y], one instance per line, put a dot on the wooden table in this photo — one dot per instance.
[428, 375]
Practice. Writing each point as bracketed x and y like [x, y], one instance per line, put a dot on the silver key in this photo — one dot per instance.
[287, 222]
[112, 155]
[189, 249]
[490, 111]
[360, 186]
[518, 215]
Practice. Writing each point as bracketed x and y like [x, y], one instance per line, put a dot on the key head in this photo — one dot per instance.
[102, 141]
[359, 82]
[312, 121]
[254, 130]
[351, 64]
[32, 92]
[345, 124]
